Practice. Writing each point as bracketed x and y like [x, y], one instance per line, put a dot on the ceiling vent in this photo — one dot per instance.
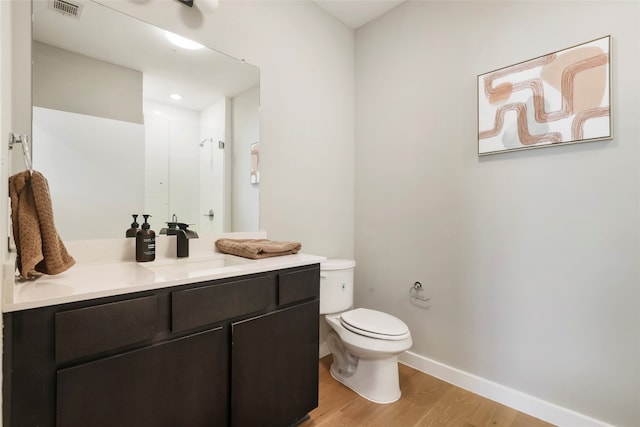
[67, 8]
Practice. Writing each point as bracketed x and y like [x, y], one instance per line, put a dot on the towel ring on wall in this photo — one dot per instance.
[15, 138]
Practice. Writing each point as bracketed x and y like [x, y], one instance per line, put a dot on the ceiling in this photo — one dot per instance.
[355, 13]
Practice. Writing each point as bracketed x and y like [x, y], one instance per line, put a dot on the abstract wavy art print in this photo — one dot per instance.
[560, 98]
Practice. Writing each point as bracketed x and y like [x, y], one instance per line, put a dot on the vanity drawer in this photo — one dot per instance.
[105, 327]
[298, 285]
[196, 307]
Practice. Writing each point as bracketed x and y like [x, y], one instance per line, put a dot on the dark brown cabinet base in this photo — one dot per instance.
[274, 359]
[240, 351]
[136, 389]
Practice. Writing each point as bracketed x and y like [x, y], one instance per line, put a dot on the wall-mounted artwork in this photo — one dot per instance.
[560, 98]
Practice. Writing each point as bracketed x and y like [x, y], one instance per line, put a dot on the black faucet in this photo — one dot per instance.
[180, 230]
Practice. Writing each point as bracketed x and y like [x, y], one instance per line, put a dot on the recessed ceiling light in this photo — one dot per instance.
[175, 96]
[182, 42]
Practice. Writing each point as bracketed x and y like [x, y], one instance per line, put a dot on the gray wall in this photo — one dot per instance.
[531, 258]
[66, 81]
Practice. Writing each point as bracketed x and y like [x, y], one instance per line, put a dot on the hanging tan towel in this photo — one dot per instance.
[40, 249]
[257, 248]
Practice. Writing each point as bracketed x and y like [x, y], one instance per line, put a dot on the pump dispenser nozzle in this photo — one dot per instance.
[134, 227]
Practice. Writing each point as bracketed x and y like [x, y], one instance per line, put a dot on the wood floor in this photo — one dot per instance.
[425, 401]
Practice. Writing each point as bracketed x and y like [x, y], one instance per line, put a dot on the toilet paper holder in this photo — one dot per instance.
[416, 292]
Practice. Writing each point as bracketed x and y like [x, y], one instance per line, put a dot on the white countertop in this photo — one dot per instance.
[96, 279]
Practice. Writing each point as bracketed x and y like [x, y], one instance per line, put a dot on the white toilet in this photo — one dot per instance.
[365, 343]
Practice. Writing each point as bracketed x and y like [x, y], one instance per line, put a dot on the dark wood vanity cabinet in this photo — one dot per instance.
[271, 371]
[173, 383]
[241, 351]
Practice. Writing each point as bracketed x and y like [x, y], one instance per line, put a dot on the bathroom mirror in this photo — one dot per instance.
[125, 121]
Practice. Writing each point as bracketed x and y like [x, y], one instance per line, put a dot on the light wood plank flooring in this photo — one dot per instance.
[425, 401]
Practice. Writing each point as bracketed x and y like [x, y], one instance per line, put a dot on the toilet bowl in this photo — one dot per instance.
[364, 343]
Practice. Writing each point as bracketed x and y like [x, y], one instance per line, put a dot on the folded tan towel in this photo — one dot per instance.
[257, 248]
[40, 248]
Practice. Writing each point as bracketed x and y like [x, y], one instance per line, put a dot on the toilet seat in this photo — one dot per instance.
[374, 324]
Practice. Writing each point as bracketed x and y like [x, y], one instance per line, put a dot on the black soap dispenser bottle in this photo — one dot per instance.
[145, 242]
[134, 227]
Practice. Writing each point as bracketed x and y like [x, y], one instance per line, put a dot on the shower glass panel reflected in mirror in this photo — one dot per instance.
[112, 141]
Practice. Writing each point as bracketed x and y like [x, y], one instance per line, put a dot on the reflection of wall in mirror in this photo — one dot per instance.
[68, 81]
[245, 197]
[94, 171]
[172, 160]
[90, 152]
[213, 163]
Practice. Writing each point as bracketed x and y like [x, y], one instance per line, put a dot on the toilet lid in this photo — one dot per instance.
[375, 324]
[337, 264]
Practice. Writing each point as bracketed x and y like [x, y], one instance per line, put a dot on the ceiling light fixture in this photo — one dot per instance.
[175, 96]
[182, 42]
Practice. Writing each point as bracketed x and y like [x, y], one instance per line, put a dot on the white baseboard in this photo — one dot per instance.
[522, 402]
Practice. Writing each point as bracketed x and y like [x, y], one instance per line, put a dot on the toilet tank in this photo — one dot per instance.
[336, 285]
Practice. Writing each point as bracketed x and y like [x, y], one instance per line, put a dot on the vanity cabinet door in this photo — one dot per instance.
[274, 359]
[183, 382]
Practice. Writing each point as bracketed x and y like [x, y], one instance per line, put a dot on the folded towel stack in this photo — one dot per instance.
[40, 248]
[257, 248]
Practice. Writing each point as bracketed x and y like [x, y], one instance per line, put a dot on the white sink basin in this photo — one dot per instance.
[194, 267]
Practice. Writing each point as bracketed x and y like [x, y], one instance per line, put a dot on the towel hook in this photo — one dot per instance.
[15, 138]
